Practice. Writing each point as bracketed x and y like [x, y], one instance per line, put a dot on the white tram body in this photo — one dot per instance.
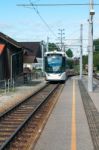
[55, 66]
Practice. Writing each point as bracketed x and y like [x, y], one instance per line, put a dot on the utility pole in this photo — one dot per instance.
[47, 44]
[81, 38]
[61, 37]
[42, 49]
[90, 48]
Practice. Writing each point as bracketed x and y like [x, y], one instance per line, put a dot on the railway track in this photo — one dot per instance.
[21, 124]
[92, 115]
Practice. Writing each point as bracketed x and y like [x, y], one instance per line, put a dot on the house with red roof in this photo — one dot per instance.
[11, 58]
[16, 56]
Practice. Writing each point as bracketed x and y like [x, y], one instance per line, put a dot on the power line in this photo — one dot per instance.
[72, 45]
[55, 5]
[38, 13]
[76, 39]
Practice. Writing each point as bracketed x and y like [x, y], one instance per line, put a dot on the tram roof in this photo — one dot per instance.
[55, 52]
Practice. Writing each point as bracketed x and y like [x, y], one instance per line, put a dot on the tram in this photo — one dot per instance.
[55, 66]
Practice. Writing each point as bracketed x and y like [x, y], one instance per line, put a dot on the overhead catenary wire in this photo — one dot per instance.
[55, 5]
[76, 39]
[33, 6]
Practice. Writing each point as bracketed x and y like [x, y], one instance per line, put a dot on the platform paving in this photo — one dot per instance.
[67, 127]
[95, 94]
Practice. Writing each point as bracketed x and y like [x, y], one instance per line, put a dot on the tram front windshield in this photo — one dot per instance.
[54, 63]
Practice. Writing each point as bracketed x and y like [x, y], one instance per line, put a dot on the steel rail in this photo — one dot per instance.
[2, 115]
[17, 130]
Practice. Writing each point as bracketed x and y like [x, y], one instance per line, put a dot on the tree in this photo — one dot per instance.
[69, 53]
[96, 44]
[96, 60]
[70, 64]
[85, 60]
[96, 54]
[52, 47]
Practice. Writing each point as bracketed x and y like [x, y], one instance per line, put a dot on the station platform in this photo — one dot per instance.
[67, 127]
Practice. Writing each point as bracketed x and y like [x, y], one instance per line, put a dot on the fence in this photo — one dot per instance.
[37, 75]
[3, 88]
[6, 86]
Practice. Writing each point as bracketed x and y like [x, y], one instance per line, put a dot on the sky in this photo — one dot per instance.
[38, 23]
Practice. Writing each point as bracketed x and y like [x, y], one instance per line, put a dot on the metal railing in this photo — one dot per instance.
[6, 86]
[3, 86]
[9, 85]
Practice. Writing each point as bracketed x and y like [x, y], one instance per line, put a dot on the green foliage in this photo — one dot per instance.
[96, 60]
[85, 60]
[96, 44]
[96, 54]
[69, 53]
[76, 68]
[70, 64]
[52, 47]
